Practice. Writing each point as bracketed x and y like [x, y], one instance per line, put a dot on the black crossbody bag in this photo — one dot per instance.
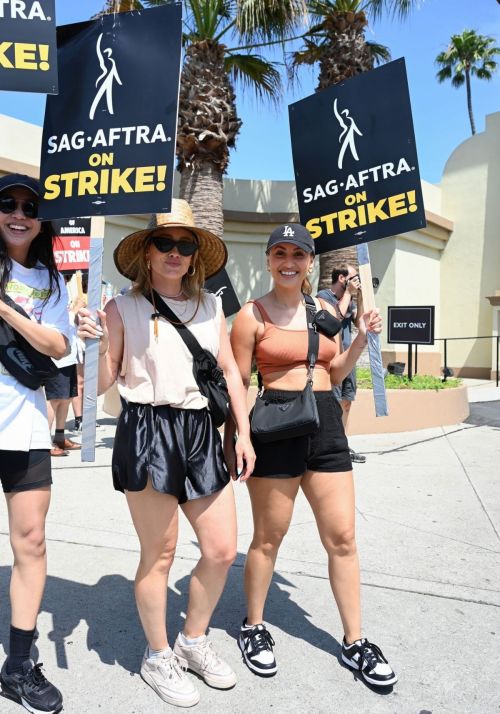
[273, 421]
[20, 358]
[207, 373]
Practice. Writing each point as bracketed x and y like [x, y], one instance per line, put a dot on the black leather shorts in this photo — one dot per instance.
[179, 450]
[326, 450]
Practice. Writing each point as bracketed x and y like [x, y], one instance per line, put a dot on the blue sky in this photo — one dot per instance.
[439, 111]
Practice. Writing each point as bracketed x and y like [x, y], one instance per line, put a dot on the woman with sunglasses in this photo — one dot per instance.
[29, 277]
[273, 330]
[167, 449]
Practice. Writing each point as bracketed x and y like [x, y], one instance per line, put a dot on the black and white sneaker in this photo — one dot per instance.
[256, 645]
[31, 689]
[368, 659]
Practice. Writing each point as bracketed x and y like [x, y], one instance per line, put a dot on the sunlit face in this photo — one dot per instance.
[18, 230]
[170, 264]
[289, 264]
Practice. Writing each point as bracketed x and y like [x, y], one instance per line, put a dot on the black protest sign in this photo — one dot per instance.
[355, 160]
[411, 325]
[28, 55]
[109, 136]
[220, 284]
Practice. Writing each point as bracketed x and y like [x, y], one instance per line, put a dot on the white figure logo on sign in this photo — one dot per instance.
[347, 136]
[106, 79]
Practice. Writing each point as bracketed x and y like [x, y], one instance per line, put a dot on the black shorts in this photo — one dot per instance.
[179, 450]
[325, 451]
[346, 392]
[63, 385]
[25, 470]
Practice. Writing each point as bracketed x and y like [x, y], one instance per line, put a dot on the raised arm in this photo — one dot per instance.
[110, 333]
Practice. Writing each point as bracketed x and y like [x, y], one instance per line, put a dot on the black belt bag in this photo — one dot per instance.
[20, 358]
[207, 373]
[273, 421]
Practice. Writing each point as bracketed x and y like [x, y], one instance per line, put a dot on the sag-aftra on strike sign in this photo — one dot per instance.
[28, 55]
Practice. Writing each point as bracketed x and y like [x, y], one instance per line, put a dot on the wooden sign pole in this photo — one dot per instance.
[91, 364]
[374, 350]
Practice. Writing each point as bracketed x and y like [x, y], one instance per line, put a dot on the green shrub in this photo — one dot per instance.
[393, 381]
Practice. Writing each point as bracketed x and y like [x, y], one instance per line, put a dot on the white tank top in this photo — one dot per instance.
[160, 371]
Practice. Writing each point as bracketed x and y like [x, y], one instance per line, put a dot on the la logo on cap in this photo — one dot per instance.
[288, 232]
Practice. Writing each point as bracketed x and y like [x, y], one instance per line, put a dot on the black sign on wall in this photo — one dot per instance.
[355, 160]
[28, 55]
[411, 325]
[220, 284]
[108, 139]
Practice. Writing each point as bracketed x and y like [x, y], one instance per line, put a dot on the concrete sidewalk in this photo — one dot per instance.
[428, 527]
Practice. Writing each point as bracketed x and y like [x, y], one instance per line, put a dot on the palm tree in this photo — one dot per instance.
[208, 122]
[336, 42]
[468, 54]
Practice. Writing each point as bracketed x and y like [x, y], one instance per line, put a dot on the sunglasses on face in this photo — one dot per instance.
[165, 245]
[8, 204]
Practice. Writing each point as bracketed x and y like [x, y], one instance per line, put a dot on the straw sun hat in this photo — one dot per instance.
[213, 251]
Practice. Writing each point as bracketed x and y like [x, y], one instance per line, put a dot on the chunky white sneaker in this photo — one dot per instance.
[369, 660]
[165, 675]
[204, 660]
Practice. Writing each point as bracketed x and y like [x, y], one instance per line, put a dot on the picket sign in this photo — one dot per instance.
[91, 365]
[374, 350]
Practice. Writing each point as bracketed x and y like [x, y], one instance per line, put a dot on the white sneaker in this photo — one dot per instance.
[165, 675]
[204, 660]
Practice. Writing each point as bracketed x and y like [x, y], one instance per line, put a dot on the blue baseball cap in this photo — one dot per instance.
[13, 180]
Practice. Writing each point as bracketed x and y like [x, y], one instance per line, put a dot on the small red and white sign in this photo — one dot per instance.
[72, 243]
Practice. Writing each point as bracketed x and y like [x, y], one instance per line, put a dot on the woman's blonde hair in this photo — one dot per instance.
[192, 285]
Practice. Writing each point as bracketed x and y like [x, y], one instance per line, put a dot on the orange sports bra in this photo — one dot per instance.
[280, 349]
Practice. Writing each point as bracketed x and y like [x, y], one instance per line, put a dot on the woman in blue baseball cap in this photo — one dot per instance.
[28, 279]
[280, 331]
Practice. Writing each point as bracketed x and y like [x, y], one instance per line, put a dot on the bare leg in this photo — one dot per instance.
[213, 519]
[272, 507]
[331, 496]
[77, 402]
[27, 513]
[346, 408]
[156, 521]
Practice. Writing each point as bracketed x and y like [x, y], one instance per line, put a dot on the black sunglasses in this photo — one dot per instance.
[8, 204]
[165, 245]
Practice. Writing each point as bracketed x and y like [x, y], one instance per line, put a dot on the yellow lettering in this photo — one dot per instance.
[25, 55]
[52, 188]
[144, 178]
[313, 227]
[397, 205]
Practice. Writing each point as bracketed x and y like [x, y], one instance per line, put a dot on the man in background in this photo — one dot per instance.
[346, 297]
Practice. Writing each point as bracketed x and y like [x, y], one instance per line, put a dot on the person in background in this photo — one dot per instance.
[347, 299]
[28, 276]
[77, 402]
[61, 389]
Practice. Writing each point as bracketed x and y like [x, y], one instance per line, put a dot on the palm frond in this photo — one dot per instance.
[256, 73]
[267, 20]
[380, 53]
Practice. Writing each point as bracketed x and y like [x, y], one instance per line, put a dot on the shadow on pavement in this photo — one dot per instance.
[113, 628]
[484, 414]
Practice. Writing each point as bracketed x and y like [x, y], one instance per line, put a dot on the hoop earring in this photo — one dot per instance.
[148, 264]
[310, 269]
[191, 271]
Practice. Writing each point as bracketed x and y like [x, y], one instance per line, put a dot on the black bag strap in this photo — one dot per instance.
[189, 339]
[313, 341]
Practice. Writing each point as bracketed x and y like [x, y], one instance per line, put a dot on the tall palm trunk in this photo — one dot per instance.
[207, 129]
[469, 100]
[347, 55]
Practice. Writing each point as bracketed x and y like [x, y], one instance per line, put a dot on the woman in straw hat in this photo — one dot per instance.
[167, 449]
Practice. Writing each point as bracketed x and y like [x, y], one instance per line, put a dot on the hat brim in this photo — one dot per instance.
[302, 246]
[20, 184]
[212, 250]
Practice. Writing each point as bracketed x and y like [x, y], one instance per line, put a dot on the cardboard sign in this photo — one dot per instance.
[220, 284]
[355, 160]
[109, 136]
[72, 243]
[411, 325]
[28, 55]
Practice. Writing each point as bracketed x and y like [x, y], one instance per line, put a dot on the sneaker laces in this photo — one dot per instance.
[35, 677]
[259, 640]
[210, 656]
[172, 666]
[371, 654]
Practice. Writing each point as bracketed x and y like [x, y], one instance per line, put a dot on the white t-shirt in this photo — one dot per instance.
[23, 411]
[72, 356]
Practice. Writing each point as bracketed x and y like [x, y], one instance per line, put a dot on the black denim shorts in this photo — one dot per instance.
[25, 470]
[63, 385]
[326, 450]
[179, 450]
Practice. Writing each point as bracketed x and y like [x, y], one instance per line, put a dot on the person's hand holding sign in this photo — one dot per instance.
[371, 321]
[89, 328]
